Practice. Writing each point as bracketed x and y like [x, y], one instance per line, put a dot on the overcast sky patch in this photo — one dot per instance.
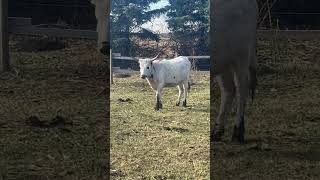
[158, 25]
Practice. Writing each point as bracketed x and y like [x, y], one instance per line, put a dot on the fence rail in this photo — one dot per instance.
[135, 58]
[289, 34]
[55, 32]
[23, 26]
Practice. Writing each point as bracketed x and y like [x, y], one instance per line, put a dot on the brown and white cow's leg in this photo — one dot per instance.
[241, 80]
[227, 88]
[180, 87]
[102, 15]
[185, 93]
[103, 36]
[158, 97]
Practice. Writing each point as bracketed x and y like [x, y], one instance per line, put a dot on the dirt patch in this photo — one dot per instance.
[128, 100]
[176, 129]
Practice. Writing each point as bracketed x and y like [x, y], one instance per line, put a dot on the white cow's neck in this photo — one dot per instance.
[153, 70]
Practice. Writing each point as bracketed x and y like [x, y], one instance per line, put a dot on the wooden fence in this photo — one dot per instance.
[23, 26]
[117, 56]
[4, 41]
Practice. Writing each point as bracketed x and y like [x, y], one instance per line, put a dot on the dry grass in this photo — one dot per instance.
[170, 144]
[282, 124]
[52, 123]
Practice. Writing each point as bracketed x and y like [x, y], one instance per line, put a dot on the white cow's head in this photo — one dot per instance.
[102, 16]
[146, 67]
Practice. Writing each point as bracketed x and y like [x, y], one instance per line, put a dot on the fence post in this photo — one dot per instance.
[4, 39]
[111, 72]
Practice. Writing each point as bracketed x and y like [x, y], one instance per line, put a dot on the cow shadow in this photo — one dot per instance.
[298, 149]
[194, 108]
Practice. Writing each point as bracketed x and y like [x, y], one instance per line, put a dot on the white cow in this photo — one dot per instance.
[167, 73]
[102, 16]
[233, 38]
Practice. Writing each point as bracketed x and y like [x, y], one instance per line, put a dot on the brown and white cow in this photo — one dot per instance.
[233, 48]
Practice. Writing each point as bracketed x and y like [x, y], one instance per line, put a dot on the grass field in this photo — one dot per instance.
[282, 124]
[170, 144]
[52, 121]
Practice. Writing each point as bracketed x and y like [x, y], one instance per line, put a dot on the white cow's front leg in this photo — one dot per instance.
[180, 86]
[242, 93]
[158, 97]
[185, 92]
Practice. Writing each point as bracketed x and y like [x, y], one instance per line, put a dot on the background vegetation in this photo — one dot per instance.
[187, 20]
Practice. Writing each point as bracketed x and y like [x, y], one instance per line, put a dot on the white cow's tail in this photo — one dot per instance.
[189, 79]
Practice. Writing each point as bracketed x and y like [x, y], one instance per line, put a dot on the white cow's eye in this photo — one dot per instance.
[148, 67]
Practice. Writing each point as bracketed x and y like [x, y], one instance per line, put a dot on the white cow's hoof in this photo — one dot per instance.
[184, 104]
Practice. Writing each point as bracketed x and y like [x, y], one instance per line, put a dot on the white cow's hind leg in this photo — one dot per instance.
[227, 88]
[180, 87]
[185, 92]
[241, 79]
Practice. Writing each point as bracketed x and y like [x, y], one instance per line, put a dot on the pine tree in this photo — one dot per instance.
[127, 16]
[188, 21]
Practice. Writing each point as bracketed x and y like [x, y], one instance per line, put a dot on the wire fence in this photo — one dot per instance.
[277, 14]
[78, 13]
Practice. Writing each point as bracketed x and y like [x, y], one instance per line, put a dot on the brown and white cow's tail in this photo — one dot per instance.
[189, 86]
[253, 81]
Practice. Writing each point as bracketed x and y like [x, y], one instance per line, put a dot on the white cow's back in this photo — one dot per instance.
[173, 71]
